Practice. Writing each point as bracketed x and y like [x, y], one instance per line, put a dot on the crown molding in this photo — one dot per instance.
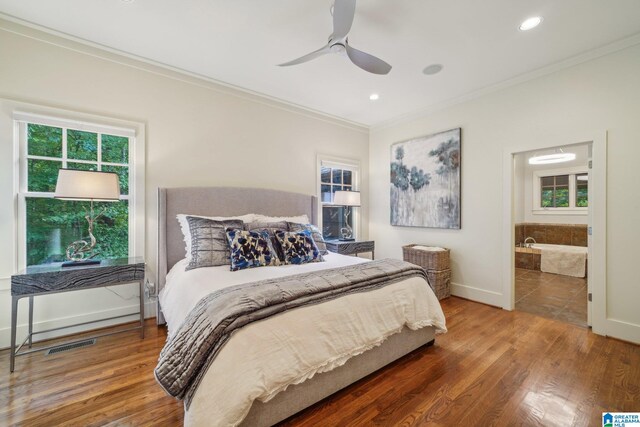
[48, 35]
[44, 34]
[522, 78]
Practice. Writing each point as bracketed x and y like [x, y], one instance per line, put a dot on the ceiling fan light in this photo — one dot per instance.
[552, 158]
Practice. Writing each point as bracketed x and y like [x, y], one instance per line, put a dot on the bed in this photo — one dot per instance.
[279, 401]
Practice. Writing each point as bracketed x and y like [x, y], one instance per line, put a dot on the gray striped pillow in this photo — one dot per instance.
[209, 245]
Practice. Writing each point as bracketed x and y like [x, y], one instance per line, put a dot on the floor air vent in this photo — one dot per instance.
[71, 346]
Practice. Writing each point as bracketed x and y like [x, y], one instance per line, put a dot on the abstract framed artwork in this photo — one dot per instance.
[425, 181]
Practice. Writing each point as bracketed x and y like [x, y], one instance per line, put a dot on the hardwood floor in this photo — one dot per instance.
[494, 367]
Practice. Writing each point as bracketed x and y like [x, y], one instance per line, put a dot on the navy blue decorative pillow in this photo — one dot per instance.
[250, 249]
[315, 233]
[298, 247]
[271, 228]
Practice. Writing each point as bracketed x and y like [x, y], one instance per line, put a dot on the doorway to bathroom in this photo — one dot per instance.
[553, 199]
[551, 216]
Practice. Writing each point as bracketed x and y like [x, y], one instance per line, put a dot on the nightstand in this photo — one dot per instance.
[53, 278]
[351, 247]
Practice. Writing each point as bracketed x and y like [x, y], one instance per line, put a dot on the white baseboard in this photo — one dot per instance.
[476, 294]
[22, 329]
[622, 330]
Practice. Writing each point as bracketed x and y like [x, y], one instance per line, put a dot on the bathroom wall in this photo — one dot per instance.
[554, 234]
[529, 215]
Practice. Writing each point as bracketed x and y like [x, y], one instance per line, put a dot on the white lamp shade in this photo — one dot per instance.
[347, 198]
[87, 185]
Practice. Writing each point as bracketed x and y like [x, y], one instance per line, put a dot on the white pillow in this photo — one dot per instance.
[300, 219]
[186, 232]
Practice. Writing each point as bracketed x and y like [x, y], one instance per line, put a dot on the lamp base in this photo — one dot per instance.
[82, 263]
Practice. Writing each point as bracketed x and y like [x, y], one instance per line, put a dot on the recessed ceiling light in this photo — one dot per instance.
[432, 69]
[530, 23]
[374, 96]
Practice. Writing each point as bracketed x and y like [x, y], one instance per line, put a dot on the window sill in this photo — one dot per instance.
[561, 211]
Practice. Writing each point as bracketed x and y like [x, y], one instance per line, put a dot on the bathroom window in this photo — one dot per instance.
[582, 190]
[561, 191]
[554, 191]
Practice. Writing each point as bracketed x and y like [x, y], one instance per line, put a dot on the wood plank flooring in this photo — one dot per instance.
[494, 367]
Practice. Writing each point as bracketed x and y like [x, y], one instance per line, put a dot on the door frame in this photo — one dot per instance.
[597, 259]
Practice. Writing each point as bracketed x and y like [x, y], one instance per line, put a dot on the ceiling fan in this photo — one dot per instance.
[343, 12]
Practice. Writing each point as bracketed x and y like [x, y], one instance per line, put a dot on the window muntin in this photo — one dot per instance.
[334, 179]
[50, 224]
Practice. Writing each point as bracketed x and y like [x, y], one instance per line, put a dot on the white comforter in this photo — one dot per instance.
[265, 357]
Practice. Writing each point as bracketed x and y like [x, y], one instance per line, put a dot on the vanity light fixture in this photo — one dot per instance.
[552, 158]
[530, 23]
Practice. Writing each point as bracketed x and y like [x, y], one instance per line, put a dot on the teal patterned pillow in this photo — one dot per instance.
[250, 249]
[315, 233]
[298, 247]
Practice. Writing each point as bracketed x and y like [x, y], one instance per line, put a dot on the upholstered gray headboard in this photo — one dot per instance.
[217, 201]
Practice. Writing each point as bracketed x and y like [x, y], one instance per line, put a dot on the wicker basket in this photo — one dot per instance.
[429, 260]
[440, 282]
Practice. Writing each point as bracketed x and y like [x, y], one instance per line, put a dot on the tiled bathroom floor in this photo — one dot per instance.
[551, 295]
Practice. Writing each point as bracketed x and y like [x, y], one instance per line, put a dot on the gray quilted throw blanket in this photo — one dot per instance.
[193, 347]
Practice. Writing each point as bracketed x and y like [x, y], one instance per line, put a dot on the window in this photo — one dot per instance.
[50, 225]
[582, 190]
[554, 191]
[561, 191]
[335, 176]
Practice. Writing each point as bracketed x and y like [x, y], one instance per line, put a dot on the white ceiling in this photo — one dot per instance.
[240, 42]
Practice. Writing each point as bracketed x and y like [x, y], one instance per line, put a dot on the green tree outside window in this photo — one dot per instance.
[51, 224]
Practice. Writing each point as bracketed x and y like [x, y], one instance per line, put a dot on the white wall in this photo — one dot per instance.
[519, 171]
[603, 94]
[197, 134]
[523, 187]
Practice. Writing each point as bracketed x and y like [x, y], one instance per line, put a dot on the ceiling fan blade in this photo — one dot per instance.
[343, 12]
[307, 57]
[367, 62]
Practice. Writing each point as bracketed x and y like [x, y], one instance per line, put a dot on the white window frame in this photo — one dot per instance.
[86, 123]
[339, 163]
[537, 188]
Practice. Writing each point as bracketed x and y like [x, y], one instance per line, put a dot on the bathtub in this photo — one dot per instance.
[579, 249]
[531, 258]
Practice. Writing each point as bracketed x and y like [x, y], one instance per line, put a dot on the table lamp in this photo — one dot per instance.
[90, 186]
[347, 199]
